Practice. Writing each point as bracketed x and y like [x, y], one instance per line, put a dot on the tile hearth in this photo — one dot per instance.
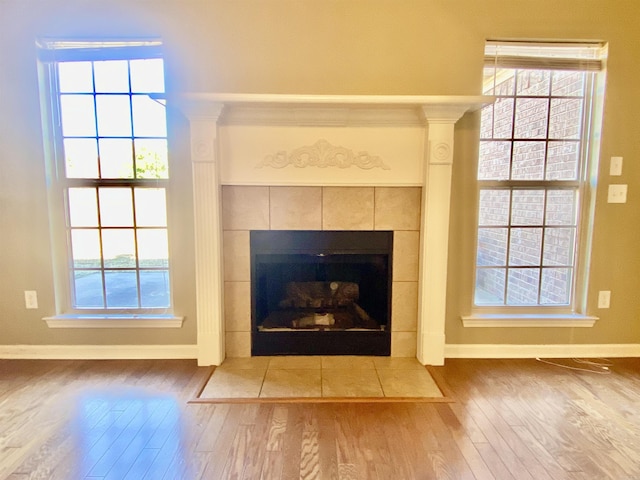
[320, 377]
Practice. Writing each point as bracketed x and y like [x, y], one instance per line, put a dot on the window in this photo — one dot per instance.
[108, 169]
[535, 156]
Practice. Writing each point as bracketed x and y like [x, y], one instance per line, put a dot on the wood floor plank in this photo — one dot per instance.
[238, 455]
[327, 448]
[271, 466]
[464, 443]
[127, 450]
[292, 446]
[168, 449]
[539, 405]
[347, 443]
[260, 432]
[511, 454]
[493, 461]
[521, 451]
[225, 448]
[212, 429]
[41, 463]
[142, 463]
[375, 444]
[409, 459]
[277, 428]
[310, 452]
[446, 458]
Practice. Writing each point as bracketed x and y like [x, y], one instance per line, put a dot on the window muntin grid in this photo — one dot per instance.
[529, 173]
[114, 176]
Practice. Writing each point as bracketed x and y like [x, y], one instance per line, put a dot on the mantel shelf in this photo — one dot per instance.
[471, 101]
[330, 109]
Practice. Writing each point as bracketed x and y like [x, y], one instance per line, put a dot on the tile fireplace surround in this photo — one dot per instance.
[308, 162]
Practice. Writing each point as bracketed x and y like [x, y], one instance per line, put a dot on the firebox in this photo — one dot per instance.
[321, 292]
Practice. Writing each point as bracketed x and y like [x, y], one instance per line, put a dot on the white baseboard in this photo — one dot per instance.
[98, 352]
[541, 351]
[155, 352]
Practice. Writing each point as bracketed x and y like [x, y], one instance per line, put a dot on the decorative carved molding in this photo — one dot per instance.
[203, 148]
[322, 154]
[203, 137]
[441, 153]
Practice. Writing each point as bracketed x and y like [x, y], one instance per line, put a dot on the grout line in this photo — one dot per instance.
[374, 208]
[322, 208]
[269, 207]
[375, 369]
[264, 376]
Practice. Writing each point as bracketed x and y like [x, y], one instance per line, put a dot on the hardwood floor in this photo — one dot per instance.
[518, 419]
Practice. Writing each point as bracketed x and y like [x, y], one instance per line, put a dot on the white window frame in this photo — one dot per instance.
[51, 51]
[575, 313]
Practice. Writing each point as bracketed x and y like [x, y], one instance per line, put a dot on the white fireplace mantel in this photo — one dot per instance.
[434, 116]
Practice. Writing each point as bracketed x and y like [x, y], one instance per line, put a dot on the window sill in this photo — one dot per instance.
[528, 320]
[114, 321]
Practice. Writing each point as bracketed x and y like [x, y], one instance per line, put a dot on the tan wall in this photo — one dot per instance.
[316, 46]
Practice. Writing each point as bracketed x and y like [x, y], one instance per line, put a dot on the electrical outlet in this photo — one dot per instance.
[30, 299]
[617, 194]
[604, 298]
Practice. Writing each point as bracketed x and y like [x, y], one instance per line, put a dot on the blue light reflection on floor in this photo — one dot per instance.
[126, 434]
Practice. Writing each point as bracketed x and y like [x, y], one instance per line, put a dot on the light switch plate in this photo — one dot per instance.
[604, 298]
[615, 167]
[30, 299]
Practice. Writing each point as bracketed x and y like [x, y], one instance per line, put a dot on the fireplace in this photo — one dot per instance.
[321, 143]
[321, 292]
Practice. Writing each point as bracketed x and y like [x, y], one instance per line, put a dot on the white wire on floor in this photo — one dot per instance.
[600, 365]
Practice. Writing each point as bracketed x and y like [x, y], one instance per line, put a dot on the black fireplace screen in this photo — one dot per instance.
[320, 281]
[337, 291]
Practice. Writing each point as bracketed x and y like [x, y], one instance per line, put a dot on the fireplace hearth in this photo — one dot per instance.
[321, 292]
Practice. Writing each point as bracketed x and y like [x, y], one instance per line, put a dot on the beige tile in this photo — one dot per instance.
[347, 208]
[245, 363]
[295, 208]
[406, 252]
[287, 362]
[349, 382]
[408, 383]
[236, 254]
[238, 344]
[397, 363]
[237, 306]
[355, 362]
[255, 376]
[291, 383]
[239, 383]
[397, 208]
[245, 208]
[404, 306]
[403, 344]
